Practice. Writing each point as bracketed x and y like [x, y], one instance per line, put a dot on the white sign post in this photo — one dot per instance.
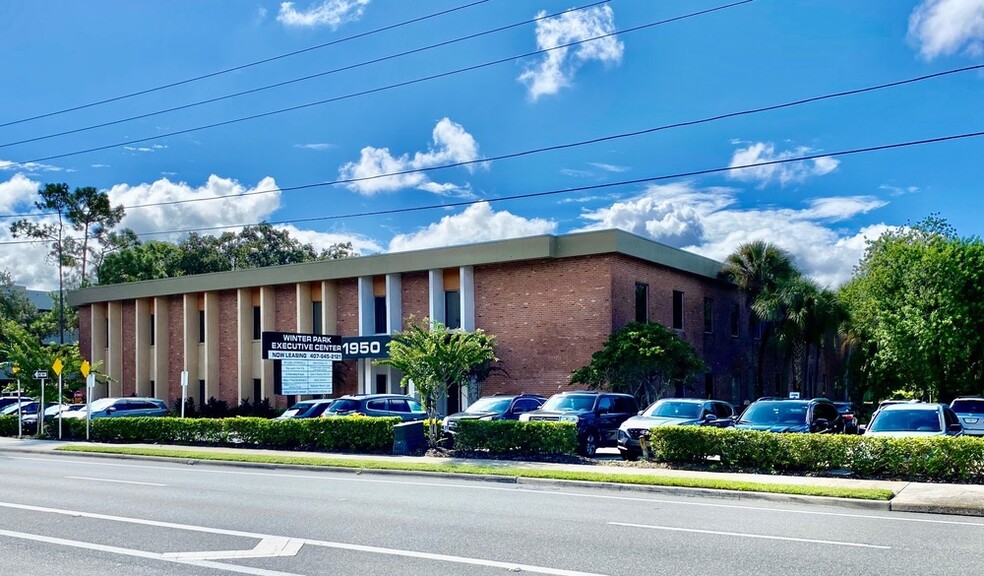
[41, 375]
[184, 390]
[20, 427]
[90, 386]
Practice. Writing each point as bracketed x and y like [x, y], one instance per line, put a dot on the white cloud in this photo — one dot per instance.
[451, 144]
[478, 223]
[557, 68]
[319, 146]
[17, 194]
[946, 27]
[146, 149]
[235, 208]
[28, 167]
[899, 190]
[331, 13]
[785, 173]
[99, 165]
[708, 222]
[610, 167]
[322, 240]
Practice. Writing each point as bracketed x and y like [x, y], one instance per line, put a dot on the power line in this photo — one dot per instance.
[303, 78]
[564, 146]
[387, 87]
[647, 180]
[247, 65]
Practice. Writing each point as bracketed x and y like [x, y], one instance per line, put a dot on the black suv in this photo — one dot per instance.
[792, 415]
[498, 407]
[597, 416]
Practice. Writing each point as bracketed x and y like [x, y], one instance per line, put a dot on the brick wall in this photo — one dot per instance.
[548, 317]
[229, 347]
[85, 332]
[414, 299]
[347, 313]
[175, 346]
[129, 342]
[286, 308]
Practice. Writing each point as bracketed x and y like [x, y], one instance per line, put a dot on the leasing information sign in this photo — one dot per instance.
[303, 362]
[291, 346]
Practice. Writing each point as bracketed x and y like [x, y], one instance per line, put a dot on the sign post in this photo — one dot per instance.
[15, 370]
[184, 391]
[90, 385]
[84, 369]
[41, 375]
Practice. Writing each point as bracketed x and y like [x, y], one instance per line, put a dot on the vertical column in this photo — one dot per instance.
[211, 357]
[162, 348]
[305, 323]
[268, 318]
[141, 350]
[329, 307]
[191, 343]
[244, 343]
[367, 307]
[466, 296]
[99, 339]
[435, 296]
[394, 303]
[114, 348]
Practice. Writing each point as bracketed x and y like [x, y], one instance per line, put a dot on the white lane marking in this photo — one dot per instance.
[758, 536]
[323, 543]
[115, 481]
[143, 554]
[476, 486]
[267, 548]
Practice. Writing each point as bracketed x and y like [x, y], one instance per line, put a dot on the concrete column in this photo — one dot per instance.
[162, 348]
[99, 338]
[466, 291]
[366, 307]
[141, 349]
[244, 343]
[329, 307]
[190, 310]
[114, 354]
[435, 296]
[394, 303]
[212, 361]
[305, 322]
[268, 318]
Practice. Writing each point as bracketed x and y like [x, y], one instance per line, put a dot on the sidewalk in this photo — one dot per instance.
[964, 499]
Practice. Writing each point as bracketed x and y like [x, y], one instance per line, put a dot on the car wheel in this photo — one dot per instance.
[590, 444]
[630, 456]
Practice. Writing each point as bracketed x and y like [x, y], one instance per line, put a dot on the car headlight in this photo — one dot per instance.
[623, 436]
[569, 418]
[524, 417]
[489, 417]
[971, 420]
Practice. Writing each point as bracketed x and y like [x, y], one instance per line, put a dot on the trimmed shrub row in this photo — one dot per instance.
[940, 458]
[343, 434]
[517, 438]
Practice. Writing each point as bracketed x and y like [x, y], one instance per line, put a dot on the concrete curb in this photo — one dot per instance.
[737, 495]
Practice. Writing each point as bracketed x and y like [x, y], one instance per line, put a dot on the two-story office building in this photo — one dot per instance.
[550, 302]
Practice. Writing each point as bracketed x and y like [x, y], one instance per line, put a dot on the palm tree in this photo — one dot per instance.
[758, 268]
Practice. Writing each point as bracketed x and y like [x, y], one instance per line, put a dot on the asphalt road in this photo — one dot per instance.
[88, 517]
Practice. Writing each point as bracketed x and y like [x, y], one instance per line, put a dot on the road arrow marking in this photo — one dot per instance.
[267, 548]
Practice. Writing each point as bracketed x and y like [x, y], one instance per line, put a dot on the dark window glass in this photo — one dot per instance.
[398, 405]
[379, 405]
[151, 329]
[950, 417]
[641, 302]
[380, 314]
[201, 394]
[968, 406]
[153, 388]
[624, 405]
[677, 310]
[828, 413]
[257, 390]
[452, 309]
[380, 383]
[106, 323]
[735, 320]
[316, 317]
[201, 326]
[723, 410]
[708, 315]
[708, 385]
[257, 323]
[525, 405]
[606, 404]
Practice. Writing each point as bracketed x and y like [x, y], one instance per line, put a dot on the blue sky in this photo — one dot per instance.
[61, 54]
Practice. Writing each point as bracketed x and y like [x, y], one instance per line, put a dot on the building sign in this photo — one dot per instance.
[292, 346]
[355, 347]
[305, 377]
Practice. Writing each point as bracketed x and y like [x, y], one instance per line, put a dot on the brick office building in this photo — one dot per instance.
[550, 301]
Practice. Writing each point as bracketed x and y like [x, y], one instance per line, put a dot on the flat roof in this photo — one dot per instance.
[495, 252]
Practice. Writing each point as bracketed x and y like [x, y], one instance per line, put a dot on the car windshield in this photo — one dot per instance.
[569, 403]
[11, 409]
[770, 413]
[102, 404]
[482, 405]
[344, 405]
[670, 409]
[968, 406]
[52, 410]
[906, 421]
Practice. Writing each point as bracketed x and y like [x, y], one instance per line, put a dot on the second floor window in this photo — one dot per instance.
[708, 315]
[201, 326]
[677, 310]
[257, 323]
[641, 302]
[151, 329]
[380, 314]
[316, 317]
[452, 309]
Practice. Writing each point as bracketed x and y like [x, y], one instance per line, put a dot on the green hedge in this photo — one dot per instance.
[343, 434]
[519, 438]
[8, 425]
[934, 458]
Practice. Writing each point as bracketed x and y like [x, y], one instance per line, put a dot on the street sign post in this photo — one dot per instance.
[57, 367]
[184, 390]
[41, 375]
[15, 370]
[90, 385]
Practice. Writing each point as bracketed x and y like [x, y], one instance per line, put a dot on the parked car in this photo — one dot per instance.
[498, 407]
[393, 405]
[307, 409]
[8, 400]
[672, 412]
[116, 407]
[970, 410]
[597, 416]
[849, 414]
[914, 420]
[51, 411]
[818, 415]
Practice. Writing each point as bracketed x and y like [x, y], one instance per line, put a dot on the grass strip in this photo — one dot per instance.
[508, 471]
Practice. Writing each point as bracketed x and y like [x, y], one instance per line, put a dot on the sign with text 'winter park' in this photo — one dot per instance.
[292, 346]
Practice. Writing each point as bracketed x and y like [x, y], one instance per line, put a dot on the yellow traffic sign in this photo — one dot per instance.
[84, 369]
[57, 366]
[15, 369]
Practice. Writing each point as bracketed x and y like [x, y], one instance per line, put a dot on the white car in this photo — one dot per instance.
[898, 420]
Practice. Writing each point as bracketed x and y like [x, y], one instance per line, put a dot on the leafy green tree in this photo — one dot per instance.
[143, 261]
[14, 303]
[916, 307]
[758, 268]
[644, 359]
[23, 349]
[435, 358]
